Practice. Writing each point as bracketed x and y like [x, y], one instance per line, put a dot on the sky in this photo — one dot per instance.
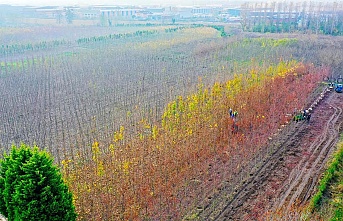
[112, 2]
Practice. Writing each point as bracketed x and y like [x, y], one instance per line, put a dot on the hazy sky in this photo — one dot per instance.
[113, 2]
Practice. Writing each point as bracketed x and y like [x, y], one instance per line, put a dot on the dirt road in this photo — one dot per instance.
[289, 175]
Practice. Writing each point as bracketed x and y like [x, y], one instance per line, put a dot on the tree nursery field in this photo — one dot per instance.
[137, 117]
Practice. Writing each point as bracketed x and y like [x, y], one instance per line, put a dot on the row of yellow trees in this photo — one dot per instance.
[167, 167]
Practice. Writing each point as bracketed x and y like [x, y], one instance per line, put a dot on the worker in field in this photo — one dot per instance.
[303, 114]
[308, 115]
[295, 116]
[298, 116]
[235, 114]
[230, 121]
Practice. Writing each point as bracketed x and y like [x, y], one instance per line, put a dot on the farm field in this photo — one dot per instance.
[280, 185]
[137, 116]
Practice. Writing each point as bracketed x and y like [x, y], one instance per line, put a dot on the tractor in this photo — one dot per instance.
[339, 88]
[336, 84]
[339, 85]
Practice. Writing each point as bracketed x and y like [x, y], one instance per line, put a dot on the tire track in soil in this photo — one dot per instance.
[234, 210]
[223, 206]
[288, 175]
[301, 184]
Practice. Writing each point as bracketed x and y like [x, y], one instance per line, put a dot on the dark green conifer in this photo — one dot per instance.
[31, 187]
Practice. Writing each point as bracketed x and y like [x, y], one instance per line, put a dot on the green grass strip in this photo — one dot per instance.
[329, 176]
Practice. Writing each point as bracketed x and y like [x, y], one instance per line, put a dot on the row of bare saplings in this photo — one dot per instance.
[169, 167]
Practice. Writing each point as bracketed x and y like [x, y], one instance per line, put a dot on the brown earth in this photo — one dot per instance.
[289, 175]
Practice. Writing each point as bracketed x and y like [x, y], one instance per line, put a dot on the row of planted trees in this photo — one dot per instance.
[139, 33]
[285, 17]
[146, 169]
[165, 169]
[64, 103]
[7, 50]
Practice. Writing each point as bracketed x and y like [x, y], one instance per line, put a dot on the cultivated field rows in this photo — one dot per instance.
[141, 126]
[65, 103]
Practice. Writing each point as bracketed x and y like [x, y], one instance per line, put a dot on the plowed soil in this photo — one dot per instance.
[289, 175]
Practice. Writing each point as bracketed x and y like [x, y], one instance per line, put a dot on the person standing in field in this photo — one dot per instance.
[308, 117]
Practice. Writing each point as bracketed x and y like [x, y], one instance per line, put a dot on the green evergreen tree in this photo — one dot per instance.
[32, 188]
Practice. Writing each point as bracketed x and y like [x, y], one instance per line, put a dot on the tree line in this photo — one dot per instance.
[285, 17]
